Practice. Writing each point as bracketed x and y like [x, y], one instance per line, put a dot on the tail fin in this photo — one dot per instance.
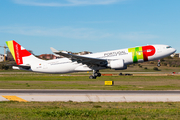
[20, 55]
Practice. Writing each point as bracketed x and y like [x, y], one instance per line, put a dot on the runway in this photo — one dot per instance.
[89, 95]
[47, 91]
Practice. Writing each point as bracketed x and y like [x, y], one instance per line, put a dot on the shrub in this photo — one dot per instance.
[162, 60]
[4, 67]
[145, 68]
[155, 68]
[140, 66]
[169, 57]
[165, 64]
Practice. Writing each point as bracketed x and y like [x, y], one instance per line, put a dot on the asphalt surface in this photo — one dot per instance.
[103, 92]
[26, 95]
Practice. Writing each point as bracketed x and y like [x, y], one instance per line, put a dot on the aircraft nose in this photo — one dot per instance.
[174, 50]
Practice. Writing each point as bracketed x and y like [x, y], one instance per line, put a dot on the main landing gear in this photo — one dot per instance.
[159, 64]
[95, 74]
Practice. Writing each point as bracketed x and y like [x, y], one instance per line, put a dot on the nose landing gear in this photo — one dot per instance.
[95, 74]
[159, 64]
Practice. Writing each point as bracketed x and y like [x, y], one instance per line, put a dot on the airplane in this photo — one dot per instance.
[116, 59]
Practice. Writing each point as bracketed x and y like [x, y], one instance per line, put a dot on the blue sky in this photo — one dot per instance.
[89, 25]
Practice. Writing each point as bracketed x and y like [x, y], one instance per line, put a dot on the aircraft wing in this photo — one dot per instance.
[82, 59]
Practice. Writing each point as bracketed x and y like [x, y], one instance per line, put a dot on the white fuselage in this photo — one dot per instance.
[65, 65]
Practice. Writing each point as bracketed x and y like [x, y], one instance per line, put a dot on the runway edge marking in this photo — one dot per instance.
[14, 98]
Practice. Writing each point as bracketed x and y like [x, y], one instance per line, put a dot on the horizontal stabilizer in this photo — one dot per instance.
[22, 66]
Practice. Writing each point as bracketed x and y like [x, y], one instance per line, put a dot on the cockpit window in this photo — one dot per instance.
[168, 47]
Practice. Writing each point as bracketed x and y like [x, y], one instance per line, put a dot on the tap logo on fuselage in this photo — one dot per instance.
[142, 53]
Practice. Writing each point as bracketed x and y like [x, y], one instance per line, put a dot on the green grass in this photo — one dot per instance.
[49, 81]
[89, 110]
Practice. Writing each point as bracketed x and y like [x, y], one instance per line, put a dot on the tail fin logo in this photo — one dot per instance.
[17, 51]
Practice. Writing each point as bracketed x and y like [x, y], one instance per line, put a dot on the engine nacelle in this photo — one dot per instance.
[117, 64]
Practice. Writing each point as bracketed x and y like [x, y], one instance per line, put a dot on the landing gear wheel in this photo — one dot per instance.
[98, 74]
[92, 77]
[95, 74]
[158, 64]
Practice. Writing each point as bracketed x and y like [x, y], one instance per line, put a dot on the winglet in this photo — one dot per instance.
[54, 50]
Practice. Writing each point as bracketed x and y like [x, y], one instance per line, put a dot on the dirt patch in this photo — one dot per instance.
[148, 83]
[150, 74]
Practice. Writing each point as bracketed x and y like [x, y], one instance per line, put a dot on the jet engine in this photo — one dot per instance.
[117, 64]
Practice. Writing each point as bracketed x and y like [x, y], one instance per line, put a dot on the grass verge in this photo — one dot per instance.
[49, 81]
[88, 110]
